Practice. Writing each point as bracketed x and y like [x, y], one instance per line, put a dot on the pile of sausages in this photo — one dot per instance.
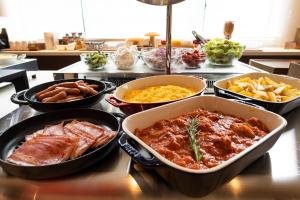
[66, 92]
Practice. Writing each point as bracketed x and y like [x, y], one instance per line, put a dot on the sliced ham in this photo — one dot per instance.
[57, 129]
[54, 129]
[92, 130]
[83, 144]
[44, 150]
[35, 134]
[101, 135]
[80, 133]
[20, 159]
[105, 138]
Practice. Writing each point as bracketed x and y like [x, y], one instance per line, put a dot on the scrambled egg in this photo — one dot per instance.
[263, 88]
[156, 94]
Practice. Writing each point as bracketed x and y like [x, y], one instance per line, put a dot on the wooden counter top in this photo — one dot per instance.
[272, 52]
[48, 52]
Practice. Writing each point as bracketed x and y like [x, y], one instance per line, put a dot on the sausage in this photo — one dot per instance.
[37, 95]
[83, 89]
[72, 91]
[87, 90]
[80, 82]
[70, 98]
[71, 88]
[67, 84]
[94, 86]
[61, 95]
[92, 91]
[53, 87]
[91, 87]
[49, 94]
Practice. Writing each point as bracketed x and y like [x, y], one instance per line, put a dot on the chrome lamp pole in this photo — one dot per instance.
[169, 4]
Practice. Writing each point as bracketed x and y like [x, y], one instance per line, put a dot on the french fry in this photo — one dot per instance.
[272, 96]
[249, 94]
[269, 81]
[260, 80]
[280, 89]
[246, 79]
[236, 89]
[229, 84]
[261, 94]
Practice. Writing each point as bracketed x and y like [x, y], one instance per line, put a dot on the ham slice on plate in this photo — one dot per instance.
[44, 150]
[105, 138]
[57, 129]
[92, 130]
[54, 129]
[83, 144]
[35, 134]
[98, 133]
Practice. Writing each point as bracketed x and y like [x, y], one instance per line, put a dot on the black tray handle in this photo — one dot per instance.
[236, 98]
[120, 117]
[16, 98]
[110, 86]
[249, 103]
[136, 155]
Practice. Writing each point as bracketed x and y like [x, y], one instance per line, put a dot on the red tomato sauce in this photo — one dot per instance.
[219, 136]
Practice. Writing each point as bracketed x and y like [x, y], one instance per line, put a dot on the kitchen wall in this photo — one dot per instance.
[293, 23]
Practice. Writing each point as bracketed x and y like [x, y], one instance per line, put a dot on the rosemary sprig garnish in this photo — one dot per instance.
[192, 131]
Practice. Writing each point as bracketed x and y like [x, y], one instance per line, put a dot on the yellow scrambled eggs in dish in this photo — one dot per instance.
[157, 94]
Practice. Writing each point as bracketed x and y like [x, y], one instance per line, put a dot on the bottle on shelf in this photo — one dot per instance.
[51, 40]
[228, 29]
[78, 42]
[65, 39]
[4, 41]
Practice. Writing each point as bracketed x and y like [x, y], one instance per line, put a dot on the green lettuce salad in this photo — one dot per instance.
[223, 51]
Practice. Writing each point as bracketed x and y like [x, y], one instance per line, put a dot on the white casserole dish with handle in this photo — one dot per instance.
[185, 179]
[117, 99]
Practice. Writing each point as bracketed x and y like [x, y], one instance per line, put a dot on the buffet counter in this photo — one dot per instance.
[274, 175]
